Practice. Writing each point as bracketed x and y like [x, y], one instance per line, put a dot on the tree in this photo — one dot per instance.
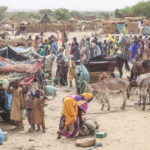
[34, 15]
[120, 12]
[142, 9]
[75, 14]
[19, 15]
[48, 12]
[61, 14]
[3, 10]
[117, 13]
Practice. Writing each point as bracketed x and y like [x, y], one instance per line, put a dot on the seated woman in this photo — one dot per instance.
[74, 107]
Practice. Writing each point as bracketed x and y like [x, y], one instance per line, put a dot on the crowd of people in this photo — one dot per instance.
[70, 59]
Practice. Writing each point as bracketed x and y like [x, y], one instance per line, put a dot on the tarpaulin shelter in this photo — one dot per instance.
[17, 53]
[24, 72]
[120, 27]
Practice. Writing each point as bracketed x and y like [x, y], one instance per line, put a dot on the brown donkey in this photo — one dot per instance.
[110, 86]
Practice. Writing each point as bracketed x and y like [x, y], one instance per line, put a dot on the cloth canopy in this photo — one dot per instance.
[29, 67]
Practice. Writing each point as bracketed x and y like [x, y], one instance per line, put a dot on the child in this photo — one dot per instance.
[17, 105]
[28, 104]
[38, 113]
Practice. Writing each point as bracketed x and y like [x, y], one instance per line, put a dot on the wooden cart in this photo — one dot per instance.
[95, 69]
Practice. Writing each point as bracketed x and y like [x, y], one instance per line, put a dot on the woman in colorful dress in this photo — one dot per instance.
[74, 107]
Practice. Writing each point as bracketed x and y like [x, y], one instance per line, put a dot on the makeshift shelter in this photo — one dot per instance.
[132, 27]
[29, 67]
[17, 53]
[111, 25]
[45, 19]
[24, 72]
[134, 24]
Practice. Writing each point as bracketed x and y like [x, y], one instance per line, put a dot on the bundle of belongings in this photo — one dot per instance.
[88, 127]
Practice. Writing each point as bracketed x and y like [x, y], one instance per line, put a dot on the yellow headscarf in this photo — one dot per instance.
[70, 110]
[88, 96]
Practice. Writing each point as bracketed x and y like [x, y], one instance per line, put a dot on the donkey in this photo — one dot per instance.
[110, 86]
[143, 82]
[138, 68]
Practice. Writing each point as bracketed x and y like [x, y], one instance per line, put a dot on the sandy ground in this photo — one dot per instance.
[127, 130]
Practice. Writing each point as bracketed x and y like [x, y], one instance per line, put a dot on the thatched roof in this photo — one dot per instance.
[135, 18]
[32, 20]
[6, 20]
[112, 21]
[45, 19]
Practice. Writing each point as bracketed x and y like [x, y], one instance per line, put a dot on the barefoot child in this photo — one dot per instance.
[17, 105]
[38, 114]
[28, 103]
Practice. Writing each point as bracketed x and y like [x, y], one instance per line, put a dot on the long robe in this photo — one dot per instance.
[37, 112]
[17, 101]
[49, 62]
[71, 73]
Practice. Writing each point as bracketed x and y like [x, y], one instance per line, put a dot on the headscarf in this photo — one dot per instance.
[87, 96]
[70, 110]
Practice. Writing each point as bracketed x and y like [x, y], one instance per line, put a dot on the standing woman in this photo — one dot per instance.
[148, 48]
[36, 42]
[75, 49]
[71, 120]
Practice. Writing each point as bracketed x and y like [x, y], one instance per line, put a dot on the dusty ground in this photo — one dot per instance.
[127, 130]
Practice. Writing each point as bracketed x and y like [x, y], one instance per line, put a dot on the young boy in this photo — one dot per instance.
[38, 114]
[28, 104]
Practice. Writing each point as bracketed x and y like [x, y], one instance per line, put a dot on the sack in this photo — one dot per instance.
[50, 90]
[86, 142]
[88, 126]
[1, 137]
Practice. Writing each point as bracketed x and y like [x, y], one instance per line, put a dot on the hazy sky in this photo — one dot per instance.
[69, 4]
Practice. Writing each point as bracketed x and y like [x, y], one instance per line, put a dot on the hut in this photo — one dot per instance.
[45, 20]
[31, 20]
[111, 25]
[134, 24]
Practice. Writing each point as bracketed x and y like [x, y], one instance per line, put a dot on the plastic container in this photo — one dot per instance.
[1, 137]
[101, 134]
